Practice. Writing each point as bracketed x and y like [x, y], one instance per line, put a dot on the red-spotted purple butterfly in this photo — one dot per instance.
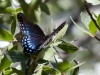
[34, 38]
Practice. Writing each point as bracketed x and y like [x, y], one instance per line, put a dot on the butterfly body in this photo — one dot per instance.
[33, 37]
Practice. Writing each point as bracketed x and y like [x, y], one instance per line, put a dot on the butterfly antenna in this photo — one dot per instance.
[58, 53]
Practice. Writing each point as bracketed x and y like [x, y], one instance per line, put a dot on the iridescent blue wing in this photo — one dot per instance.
[33, 36]
[29, 28]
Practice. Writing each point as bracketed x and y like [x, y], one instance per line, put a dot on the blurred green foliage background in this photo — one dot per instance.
[61, 10]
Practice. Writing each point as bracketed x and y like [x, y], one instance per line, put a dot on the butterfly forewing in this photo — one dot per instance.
[33, 36]
[29, 28]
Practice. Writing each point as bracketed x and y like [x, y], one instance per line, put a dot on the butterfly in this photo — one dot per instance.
[34, 39]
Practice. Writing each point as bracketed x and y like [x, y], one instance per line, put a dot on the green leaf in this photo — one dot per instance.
[85, 19]
[18, 9]
[23, 5]
[49, 54]
[15, 47]
[9, 72]
[18, 72]
[9, 9]
[94, 2]
[5, 35]
[5, 63]
[18, 36]
[98, 20]
[76, 70]
[39, 72]
[75, 66]
[16, 56]
[45, 8]
[85, 31]
[32, 10]
[92, 28]
[61, 33]
[48, 70]
[89, 23]
[67, 47]
[36, 14]
[42, 61]
[4, 5]
[13, 26]
[63, 66]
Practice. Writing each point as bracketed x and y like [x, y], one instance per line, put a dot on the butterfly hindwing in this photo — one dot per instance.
[31, 44]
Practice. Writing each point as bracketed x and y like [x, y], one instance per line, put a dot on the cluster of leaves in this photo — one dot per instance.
[14, 52]
[88, 22]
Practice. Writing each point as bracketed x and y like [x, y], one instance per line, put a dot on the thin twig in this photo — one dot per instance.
[88, 11]
[97, 38]
[94, 21]
[58, 53]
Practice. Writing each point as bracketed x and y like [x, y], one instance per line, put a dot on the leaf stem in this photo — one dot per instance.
[97, 38]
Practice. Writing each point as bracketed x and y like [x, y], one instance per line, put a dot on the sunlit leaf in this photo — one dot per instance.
[10, 9]
[94, 2]
[8, 72]
[85, 31]
[5, 35]
[5, 63]
[63, 66]
[61, 33]
[92, 28]
[49, 54]
[39, 72]
[85, 19]
[67, 47]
